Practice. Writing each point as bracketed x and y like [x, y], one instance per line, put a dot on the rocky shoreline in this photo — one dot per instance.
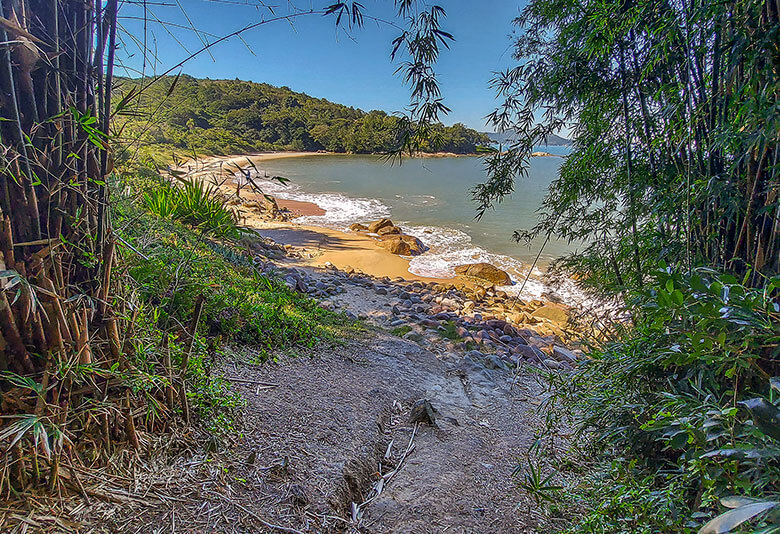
[478, 325]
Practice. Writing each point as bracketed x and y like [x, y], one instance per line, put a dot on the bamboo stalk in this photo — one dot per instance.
[129, 423]
[192, 331]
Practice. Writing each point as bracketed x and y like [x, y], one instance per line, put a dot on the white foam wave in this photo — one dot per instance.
[450, 247]
[340, 210]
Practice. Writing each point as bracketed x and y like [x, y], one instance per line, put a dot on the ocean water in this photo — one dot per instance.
[429, 198]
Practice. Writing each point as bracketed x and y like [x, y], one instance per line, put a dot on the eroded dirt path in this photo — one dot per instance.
[334, 418]
[321, 430]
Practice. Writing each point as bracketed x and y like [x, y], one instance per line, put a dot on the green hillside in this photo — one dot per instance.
[230, 116]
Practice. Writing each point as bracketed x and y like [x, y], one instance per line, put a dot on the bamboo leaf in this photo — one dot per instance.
[728, 521]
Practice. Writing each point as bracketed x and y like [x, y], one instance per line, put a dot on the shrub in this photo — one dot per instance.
[241, 304]
[686, 394]
[195, 204]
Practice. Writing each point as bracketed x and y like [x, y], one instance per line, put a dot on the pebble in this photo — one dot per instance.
[563, 354]
[414, 336]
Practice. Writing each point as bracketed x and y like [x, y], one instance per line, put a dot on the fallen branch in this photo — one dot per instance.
[379, 485]
[252, 382]
[255, 516]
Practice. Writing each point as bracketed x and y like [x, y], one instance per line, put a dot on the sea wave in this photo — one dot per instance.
[447, 247]
[340, 210]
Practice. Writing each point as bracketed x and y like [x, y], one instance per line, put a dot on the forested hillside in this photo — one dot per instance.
[230, 116]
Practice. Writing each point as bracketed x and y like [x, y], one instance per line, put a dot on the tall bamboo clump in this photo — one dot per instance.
[674, 113]
[58, 324]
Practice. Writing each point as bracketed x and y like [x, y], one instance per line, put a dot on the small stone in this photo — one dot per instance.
[562, 354]
[552, 364]
[531, 354]
[414, 336]
[494, 362]
[423, 412]
[449, 303]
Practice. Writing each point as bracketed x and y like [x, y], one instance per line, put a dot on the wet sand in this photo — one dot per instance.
[343, 250]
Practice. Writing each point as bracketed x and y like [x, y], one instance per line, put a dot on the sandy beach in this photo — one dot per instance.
[341, 249]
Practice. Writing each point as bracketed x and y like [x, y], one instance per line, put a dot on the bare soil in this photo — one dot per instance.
[320, 430]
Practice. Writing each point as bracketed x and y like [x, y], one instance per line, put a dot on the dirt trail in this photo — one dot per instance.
[320, 430]
[335, 416]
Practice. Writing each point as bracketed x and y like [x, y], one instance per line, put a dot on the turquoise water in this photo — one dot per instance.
[429, 198]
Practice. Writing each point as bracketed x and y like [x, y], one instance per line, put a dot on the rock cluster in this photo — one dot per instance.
[266, 207]
[484, 272]
[391, 238]
[486, 326]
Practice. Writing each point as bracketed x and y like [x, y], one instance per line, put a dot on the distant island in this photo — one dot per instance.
[506, 137]
[182, 113]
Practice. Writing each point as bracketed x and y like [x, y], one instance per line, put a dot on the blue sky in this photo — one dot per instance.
[311, 56]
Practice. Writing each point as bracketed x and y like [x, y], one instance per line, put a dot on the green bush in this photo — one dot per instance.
[686, 395]
[161, 201]
[195, 204]
[210, 397]
[241, 304]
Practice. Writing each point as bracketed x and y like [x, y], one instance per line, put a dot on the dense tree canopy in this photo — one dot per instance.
[229, 116]
[673, 110]
[673, 186]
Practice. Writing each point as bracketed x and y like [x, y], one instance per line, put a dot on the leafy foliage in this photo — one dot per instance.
[241, 303]
[673, 110]
[195, 204]
[684, 393]
[673, 113]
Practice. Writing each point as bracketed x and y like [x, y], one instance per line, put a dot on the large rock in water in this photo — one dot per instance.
[357, 227]
[484, 271]
[403, 245]
[375, 226]
[385, 230]
[552, 312]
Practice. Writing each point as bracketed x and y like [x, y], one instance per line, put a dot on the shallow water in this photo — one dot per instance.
[429, 198]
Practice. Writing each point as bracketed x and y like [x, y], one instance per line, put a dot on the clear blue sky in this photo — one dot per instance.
[311, 56]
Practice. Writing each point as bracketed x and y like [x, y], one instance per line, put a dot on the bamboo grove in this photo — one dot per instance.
[61, 329]
[674, 109]
[673, 189]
